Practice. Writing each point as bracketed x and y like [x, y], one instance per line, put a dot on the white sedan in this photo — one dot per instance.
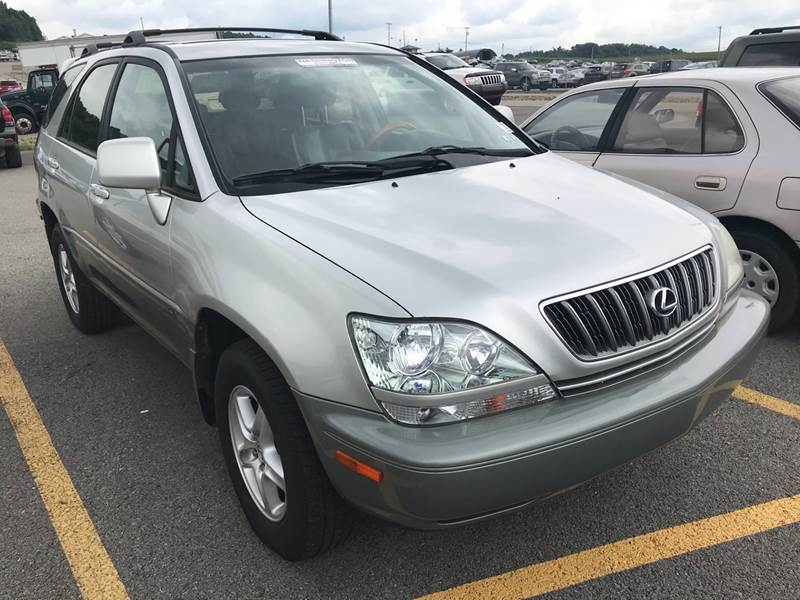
[727, 140]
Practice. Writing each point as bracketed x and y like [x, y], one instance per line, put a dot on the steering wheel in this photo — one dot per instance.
[383, 131]
[569, 135]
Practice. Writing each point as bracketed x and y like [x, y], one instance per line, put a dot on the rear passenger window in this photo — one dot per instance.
[783, 54]
[678, 121]
[56, 106]
[82, 128]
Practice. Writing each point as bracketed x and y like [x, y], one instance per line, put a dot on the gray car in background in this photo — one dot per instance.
[378, 308]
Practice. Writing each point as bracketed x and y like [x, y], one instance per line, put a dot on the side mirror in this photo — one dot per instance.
[129, 163]
[665, 115]
[132, 163]
[505, 111]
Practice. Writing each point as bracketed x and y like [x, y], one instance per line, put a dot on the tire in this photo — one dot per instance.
[13, 157]
[89, 310]
[25, 122]
[779, 258]
[525, 85]
[554, 83]
[313, 518]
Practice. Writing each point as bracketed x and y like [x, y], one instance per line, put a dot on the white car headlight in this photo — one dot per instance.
[435, 372]
[731, 259]
[472, 80]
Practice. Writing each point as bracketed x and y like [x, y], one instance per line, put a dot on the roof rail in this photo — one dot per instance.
[95, 48]
[139, 36]
[764, 30]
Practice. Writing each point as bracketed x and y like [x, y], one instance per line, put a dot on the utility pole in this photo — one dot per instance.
[719, 40]
[404, 37]
[330, 16]
[388, 33]
[141, 21]
[466, 37]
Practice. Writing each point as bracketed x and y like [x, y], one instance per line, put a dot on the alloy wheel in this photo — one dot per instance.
[760, 276]
[24, 124]
[258, 459]
[68, 279]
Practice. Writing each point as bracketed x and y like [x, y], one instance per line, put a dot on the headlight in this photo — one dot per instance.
[731, 259]
[434, 372]
[472, 80]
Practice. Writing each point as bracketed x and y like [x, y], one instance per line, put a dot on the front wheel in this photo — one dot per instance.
[282, 487]
[771, 269]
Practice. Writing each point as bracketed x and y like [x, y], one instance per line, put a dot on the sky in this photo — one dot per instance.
[510, 25]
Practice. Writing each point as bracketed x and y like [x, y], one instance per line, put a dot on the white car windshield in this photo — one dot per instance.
[268, 119]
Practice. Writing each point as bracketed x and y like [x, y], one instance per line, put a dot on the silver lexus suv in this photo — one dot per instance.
[378, 308]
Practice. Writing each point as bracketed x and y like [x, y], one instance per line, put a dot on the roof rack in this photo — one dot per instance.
[764, 30]
[95, 48]
[139, 36]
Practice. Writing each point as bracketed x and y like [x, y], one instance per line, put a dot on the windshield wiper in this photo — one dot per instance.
[451, 149]
[346, 171]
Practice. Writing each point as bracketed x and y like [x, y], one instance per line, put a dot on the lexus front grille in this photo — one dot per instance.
[623, 316]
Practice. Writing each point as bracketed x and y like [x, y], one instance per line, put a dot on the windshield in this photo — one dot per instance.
[446, 61]
[278, 113]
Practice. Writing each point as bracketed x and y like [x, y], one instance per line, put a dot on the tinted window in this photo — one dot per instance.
[55, 108]
[576, 123]
[785, 94]
[784, 54]
[141, 109]
[43, 80]
[83, 126]
[670, 121]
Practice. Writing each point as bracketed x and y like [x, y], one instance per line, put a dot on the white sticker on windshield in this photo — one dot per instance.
[326, 61]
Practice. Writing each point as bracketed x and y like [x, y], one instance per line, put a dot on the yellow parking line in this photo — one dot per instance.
[790, 409]
[91, 566]
[629, 553]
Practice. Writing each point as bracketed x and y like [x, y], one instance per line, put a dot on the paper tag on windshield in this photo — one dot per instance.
[326, 61]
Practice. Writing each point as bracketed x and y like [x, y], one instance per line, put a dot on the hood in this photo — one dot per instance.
[15, 95]
[489, 237]
[462, 72]
[487, 243]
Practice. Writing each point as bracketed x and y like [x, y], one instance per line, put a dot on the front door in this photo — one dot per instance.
[685, 140]
[127, 231]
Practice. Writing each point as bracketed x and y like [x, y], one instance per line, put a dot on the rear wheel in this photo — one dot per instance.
[271, 459]
[525, 85]
[13, 157]
[88, 309]
[771, 269]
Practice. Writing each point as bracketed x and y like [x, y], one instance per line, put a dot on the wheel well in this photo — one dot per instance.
[751, 224]
[22, 109]
[213, 333]
[49, 218]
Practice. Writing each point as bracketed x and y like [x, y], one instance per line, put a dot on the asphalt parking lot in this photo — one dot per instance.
[120, 413]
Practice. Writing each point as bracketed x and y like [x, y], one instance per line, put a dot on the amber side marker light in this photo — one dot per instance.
[359, 467]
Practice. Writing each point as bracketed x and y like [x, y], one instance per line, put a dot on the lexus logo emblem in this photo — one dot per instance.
[662, 301]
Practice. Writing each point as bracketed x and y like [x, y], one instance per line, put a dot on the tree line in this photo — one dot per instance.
[17, 26]
[600, 51]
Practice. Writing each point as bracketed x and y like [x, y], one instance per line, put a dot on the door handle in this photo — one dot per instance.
[53, 163]
[705, 182]
[99, 191]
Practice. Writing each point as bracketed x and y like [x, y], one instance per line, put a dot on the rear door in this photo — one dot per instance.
[694, 141]
[71, 162]
[576, 125]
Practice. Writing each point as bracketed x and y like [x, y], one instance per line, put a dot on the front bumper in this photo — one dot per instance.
[489, 91]
[443, 476]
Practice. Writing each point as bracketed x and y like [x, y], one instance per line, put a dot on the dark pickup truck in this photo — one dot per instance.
[29, 106]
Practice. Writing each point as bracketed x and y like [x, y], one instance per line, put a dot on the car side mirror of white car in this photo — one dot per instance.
[505, 111]
[132, 163]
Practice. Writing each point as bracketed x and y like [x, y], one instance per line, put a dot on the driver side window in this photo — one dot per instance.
[577, 123]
